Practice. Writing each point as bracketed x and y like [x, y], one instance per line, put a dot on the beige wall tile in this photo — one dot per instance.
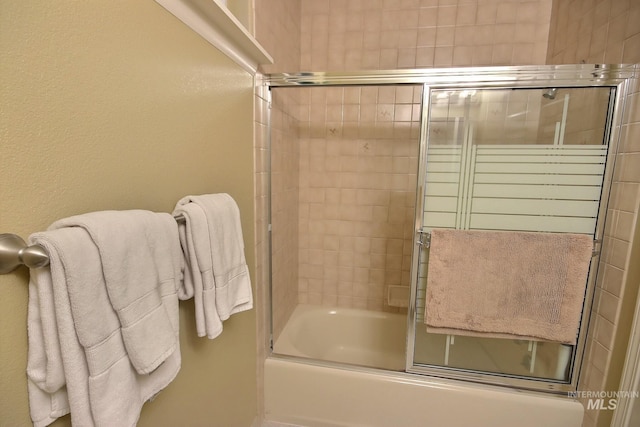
[394, 34]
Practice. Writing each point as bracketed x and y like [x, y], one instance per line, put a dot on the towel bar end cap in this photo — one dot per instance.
[15, 252]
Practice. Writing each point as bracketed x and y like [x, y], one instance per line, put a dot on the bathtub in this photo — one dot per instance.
[346, 391]
[344, 335]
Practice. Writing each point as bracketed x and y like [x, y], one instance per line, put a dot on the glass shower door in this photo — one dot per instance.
[522, 160]
[344, 162]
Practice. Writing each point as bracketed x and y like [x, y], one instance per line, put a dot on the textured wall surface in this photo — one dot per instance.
[118, 105]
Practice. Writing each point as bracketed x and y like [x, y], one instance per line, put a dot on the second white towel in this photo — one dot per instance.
[217, 276]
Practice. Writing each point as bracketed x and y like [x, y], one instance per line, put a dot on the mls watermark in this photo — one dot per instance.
[603, 400]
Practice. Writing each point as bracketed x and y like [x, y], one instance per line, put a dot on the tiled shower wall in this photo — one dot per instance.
[285, 154]
[278, 31]
[586, 115]
[594, 32]
[347, 35]
[277, 28]
[358, 169]
[519, 117]
[337, 123]
[607, 32]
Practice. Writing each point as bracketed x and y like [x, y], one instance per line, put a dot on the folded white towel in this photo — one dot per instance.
[140, 254]
[46, 383]
[103, 387]
[217, 276]
[198, 276]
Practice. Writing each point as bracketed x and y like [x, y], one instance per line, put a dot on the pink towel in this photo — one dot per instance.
[507, 284]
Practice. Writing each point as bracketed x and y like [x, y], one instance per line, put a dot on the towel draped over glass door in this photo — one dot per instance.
[513, 164]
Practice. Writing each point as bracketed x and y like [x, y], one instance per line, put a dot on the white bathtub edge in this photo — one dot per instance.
[321, 396]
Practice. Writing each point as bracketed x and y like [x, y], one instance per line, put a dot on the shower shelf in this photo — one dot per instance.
[398, 296]
[216, 24]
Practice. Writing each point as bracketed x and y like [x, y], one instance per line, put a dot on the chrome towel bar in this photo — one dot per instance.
[14, 252]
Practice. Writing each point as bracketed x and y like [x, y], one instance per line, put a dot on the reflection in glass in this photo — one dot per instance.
[510, 160]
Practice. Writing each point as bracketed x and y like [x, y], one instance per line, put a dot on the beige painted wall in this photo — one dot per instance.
[118, 105]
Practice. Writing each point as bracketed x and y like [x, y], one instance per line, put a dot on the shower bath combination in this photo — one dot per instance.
[363, 167]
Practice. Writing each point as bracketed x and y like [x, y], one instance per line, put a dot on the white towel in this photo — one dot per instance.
[140, 254]
[46, 383]
[217, 276]
[103, 387]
